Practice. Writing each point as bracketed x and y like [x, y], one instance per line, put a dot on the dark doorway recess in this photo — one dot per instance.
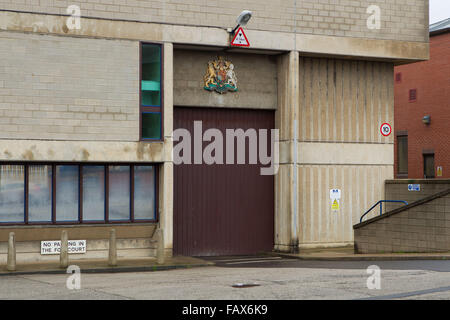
[222, 209]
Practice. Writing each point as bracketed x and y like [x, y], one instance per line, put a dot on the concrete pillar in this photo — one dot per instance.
[166, 172]
[112, 261]
[160, 252]
[64, 250]
[11, 263]
[286, 187]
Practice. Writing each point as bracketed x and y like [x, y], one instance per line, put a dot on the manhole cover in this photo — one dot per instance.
[245, 285]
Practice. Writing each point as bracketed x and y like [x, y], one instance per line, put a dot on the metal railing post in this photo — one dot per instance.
[381, 207]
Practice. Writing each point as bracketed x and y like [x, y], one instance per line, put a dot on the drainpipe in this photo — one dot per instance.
[295, 191]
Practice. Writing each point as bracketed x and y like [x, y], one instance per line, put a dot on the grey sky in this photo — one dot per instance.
[439, 10]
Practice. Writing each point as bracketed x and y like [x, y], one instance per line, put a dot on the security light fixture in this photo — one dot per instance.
[426, 119]
[242, 20]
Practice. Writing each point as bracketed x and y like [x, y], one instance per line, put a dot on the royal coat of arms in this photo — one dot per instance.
[220, 76]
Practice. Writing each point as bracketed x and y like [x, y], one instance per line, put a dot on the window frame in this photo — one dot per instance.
[151, 109]
[402, 174]
[80, 221]
[415, 95]
[425, 154]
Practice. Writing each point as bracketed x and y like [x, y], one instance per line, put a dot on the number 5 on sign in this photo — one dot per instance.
[386, 129]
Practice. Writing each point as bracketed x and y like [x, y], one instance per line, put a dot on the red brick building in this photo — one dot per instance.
[422, 111]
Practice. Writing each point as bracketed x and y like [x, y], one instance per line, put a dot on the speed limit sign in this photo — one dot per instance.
[386, 129]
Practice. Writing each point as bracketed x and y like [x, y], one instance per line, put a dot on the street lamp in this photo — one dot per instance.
[242, 20]
[426, 119]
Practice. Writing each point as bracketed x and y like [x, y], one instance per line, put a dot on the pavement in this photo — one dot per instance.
[180, 262]
[347, 254]
[101, 266]
[245, 278]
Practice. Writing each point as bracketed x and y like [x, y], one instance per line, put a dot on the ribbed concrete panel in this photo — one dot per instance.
[344, 101]
[361, 187]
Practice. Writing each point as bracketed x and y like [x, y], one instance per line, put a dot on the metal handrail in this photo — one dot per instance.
[381, 207]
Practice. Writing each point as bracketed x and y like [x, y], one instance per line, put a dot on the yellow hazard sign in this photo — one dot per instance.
[439, 171]
[335, 205]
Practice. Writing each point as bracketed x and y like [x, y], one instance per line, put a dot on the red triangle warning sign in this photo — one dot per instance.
[240, 39]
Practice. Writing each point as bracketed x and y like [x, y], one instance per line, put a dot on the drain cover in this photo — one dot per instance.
[245, 285]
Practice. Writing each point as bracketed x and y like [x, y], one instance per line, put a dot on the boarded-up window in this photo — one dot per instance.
[412, 95]
[428, 166]
[402, 154]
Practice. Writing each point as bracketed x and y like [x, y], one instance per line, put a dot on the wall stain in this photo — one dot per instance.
[140, 151]
[84, 155]
[7, 154]
[28, 155]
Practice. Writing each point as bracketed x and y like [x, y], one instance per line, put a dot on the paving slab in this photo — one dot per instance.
[347, 254]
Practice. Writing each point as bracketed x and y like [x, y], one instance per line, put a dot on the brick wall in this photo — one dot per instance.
[400, 19]
[63, 88]
[432, 81]
[422, 227]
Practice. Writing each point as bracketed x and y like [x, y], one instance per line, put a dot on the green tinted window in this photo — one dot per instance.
[151, 92]
[151, 125]
[150, 98]
[151, 75]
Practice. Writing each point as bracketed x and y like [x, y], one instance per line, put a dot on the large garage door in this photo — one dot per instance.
[222, 209]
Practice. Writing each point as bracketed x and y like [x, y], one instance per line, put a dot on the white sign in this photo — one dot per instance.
[413, 187]
[240, 39]
[335, 194]
[54, 247]
[386, 129]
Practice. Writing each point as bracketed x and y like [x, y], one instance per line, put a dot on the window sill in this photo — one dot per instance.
[79, 225]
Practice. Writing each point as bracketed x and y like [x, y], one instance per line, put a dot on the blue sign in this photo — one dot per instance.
[413, 187]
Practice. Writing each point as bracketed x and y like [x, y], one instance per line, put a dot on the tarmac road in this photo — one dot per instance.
[266, 277]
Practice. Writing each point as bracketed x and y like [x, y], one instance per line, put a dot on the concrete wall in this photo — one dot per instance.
[400, 51]
[344, 101]
[334, 30]
[256, 75]
[420, 227]
[62, 88]
[30, 251]
[66, 99]
[361, 187]
[132, 241]
[342, 105]
[400, 19]
[336, 144]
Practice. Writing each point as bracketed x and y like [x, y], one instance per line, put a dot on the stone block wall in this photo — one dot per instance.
[398, 190]
[400, 19]
[423, 226]
[67, 88]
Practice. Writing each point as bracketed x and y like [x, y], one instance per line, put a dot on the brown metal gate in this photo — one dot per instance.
[222, 209]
